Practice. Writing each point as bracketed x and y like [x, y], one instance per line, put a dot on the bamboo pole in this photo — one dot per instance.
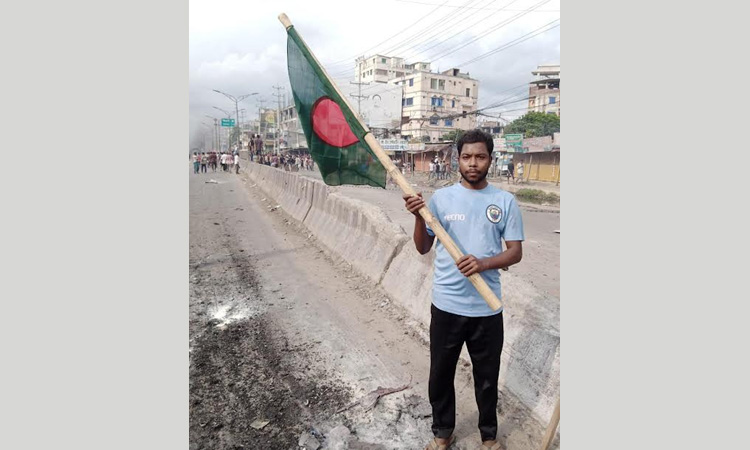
[552, 427]
[398, 177]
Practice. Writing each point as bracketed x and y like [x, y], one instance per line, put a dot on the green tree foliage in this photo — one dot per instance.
[535, 124]
[453, 135]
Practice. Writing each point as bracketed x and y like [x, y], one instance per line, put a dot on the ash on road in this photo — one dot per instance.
[282, 336]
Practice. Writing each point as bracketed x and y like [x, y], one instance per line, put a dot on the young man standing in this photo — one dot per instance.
[478, 217]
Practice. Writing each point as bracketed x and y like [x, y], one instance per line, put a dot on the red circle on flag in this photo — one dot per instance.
[330, 125]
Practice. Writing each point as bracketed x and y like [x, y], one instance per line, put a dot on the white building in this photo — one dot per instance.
[437, 103]
[544, 91]
[382, 69]
[291, 134]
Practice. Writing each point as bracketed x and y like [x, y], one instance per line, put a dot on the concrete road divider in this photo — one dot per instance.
[361, 234]
[357, 231]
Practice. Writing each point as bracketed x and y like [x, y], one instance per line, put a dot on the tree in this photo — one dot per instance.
[535, 124]
[453, 135]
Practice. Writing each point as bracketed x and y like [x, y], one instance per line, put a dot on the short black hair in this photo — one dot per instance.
[473, 136]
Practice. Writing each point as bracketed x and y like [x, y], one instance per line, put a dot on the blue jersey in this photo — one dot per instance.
[476, 220]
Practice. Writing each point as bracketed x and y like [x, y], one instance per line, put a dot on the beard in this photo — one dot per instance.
[482, 176]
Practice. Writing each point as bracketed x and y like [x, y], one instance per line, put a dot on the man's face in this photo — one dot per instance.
[474, 162]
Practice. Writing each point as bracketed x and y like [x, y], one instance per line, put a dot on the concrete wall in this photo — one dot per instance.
[365, 237]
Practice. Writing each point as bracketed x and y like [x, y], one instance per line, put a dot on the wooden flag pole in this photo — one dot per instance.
[399, 178]
[552, 427]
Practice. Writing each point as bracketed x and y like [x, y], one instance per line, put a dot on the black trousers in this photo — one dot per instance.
[484, 341]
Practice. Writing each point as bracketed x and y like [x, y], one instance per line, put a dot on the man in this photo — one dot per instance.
[196, 162]
[477, 216]
[258, 144]
[510, 171]
[236, 163]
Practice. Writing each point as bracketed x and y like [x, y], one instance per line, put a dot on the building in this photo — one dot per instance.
[433, 104]
[493, 127]
[292, 137]
[544, 90]
[437, 103]
[382, 69]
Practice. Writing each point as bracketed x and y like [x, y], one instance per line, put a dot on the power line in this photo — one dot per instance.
[485, 33]
[388, 39]
[448, 17]
[485, 9]
[417, 34]
[463, 30]
[513, 42]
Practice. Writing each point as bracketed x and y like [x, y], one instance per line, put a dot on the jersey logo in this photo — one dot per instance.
[494, 213]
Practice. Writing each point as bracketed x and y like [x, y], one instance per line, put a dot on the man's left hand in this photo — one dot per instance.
[469, 265]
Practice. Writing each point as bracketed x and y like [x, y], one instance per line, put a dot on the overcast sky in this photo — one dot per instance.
[239, 47]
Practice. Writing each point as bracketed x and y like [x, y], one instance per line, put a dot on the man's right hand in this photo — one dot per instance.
[414, 203]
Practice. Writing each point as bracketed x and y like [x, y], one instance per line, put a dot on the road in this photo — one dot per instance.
[282, 336]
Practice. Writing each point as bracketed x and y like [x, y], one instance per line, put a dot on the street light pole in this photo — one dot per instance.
[236, 101]
[215, 143]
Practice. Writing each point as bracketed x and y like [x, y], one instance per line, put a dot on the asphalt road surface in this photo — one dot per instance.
[285, 340]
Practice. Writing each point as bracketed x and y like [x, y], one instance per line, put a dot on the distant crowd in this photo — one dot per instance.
[210, 160]
[290, 163]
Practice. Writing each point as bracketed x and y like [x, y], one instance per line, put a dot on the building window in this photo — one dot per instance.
[433, 83]
[434, 120]
[448, 122]
[382, 60]
[408, 101]
[468, 92]
[411, 81]
[436, 101]
[552, 100]
[453, 103]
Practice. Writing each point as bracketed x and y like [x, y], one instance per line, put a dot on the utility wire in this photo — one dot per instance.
[516, 41]
[383, 42]
[486, 9]
[485, 33]
[461, 31]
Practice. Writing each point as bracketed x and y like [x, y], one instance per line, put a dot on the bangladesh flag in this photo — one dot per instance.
[334, 135]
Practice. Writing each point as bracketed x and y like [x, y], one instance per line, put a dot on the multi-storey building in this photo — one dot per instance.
[291, 134]
[437, 103]
[382, 69]
[433, 104]
[544, 90]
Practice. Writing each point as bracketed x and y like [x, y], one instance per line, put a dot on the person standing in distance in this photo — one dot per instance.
[478, 216]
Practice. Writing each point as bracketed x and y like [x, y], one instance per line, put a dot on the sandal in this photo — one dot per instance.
[433, 445]
[495, 446]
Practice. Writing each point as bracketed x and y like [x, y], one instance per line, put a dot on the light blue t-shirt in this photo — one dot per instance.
[476, 220]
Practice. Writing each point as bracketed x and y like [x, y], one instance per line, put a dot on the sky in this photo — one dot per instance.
[239, 47]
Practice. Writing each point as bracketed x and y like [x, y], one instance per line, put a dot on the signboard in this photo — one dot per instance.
[379, 104]
[227, 122]
[398, 145]
[514, 143]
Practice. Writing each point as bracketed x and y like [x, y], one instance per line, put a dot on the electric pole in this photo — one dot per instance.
[276, 142]
[359, 84]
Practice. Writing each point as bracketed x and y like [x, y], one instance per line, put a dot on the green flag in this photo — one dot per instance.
[334, 135]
